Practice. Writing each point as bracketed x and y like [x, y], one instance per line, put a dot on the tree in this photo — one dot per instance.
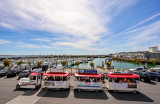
[108, 64]
[6, 62]
[63, 63]
[29, 63]
[19, 63]
[39, 64]
[92, 64]
[154, 62]
[77, 64]
[137, 61]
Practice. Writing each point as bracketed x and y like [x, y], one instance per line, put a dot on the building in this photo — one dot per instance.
[139, 54]
[154, 49]
[152, 53]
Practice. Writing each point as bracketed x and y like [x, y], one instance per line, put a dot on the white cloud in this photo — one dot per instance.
[34, 46]
[142, 22]
[44, 39]
[78, 20]
[134, 28]
[4, 41]
[149, 33]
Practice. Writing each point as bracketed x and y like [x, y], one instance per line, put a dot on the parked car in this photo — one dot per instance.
[153, 75]
[144, 76]
[120, 72]
[1, 67]
[156, 68]
[11, 73]
[24, 73]
[137, 69]
[3, 72]
[17, 71]
[38, 70]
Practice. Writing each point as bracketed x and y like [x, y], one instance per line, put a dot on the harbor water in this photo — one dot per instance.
[116, 63]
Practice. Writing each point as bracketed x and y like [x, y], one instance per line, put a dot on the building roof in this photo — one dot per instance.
[153, 47]
[35, 74]
[60, 74]
[88, 75]
[122, 75]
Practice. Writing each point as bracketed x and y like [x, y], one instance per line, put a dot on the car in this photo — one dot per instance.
[11, 73]
[153, 75]
[120, 72]
[137, 69]
[17, 71]
[3, 73]
[1, 67]
[144, 76]
[24, 73]
[38, 70]
[157, 78]
[5, 70]
[156, 68]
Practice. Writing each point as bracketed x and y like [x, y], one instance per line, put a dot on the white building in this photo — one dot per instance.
[154, 49]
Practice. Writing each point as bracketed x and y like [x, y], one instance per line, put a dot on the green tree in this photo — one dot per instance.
[19, 63]
[92, 65]
[39, 64]
[154, 61]
[138, 62]
[108, 64]
[6, 62]
[77, 64]
[63, 63]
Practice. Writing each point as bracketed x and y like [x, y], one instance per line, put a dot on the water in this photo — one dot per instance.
[116, 63]
[97, 62]
[126, 65]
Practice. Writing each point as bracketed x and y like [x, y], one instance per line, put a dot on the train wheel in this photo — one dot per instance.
[157, 80]
[135, 92]
[115, 91]
[17, 86]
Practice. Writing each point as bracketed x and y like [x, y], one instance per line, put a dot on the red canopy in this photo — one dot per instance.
[60, 74]
[122, 75]
[35, 74]
[88, 75]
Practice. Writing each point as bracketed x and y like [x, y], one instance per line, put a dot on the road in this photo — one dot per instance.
[149, 94]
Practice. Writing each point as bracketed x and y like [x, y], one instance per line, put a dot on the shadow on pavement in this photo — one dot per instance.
[21, 89]
[101, 95]
[54, 93]
[151, 82]
[130, 96]
[30, 92]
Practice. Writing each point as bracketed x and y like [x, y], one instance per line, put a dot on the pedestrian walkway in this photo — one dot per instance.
[23, 99]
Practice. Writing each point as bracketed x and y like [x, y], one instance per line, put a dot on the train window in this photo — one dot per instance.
[33, 77]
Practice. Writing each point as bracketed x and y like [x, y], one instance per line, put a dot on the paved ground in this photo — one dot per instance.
[149, 94]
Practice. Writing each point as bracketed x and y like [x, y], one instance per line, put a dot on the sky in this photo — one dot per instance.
[37, 27]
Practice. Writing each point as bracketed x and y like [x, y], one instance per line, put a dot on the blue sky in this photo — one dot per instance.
[29, 27]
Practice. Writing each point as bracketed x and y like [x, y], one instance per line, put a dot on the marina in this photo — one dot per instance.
[79, 52]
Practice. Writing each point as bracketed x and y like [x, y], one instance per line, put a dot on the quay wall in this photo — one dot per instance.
[143, 60]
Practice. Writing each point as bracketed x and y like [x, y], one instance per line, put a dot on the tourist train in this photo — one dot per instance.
[59, 78]
[122, 82]
[88, 80]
